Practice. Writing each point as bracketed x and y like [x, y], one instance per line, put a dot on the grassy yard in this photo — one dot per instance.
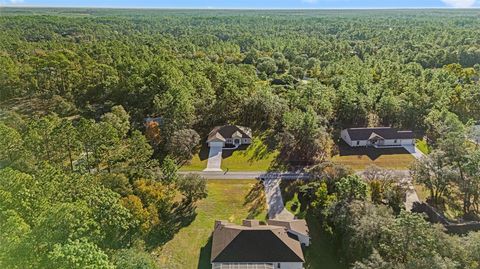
[421, 192]
[360, 158]
[232, 200]
[255, 157]
[422, 146]
[195, 164]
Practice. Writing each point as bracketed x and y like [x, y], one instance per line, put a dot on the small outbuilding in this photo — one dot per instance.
[379, 137]
[229, 135]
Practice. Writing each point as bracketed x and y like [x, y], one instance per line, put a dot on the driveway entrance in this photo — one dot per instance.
[214, 162]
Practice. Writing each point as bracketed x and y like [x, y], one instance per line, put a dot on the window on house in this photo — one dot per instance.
[395, 141]
[278, 265]
[358, 143]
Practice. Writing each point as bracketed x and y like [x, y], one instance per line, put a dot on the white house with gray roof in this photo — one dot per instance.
[379, 137]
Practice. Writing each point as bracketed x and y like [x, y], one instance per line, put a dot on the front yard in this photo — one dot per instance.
[255, 157]
[362, 157]
[232, 200]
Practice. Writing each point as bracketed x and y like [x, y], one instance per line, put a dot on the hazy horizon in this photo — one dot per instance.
[247, 4]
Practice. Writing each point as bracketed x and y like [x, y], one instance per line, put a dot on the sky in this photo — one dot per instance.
[250, 4]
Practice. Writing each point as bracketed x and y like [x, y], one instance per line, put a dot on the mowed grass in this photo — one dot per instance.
[232, 200]
[422, 146]
[255, 157]
[195, 164]
[362, 157]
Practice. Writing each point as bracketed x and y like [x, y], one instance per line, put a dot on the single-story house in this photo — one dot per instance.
[377, 137]
[255, 246]
[297, 227]
[232, 135]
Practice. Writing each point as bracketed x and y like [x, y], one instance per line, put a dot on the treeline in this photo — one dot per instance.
[87, 194]
[197, 70]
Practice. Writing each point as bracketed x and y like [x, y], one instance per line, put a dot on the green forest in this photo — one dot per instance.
[86, 182]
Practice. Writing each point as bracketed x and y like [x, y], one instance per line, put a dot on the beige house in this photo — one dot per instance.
[255, 246]
[229, 136]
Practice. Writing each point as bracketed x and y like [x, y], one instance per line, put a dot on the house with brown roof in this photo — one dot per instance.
[379, 137]
[255, 246]
[229, 136]
[297, 227]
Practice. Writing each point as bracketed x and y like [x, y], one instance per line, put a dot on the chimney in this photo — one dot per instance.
[219, 223]
[251, 223]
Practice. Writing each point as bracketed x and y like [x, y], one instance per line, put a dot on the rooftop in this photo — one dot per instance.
[254, 243]
[378, 132]
[228, 131]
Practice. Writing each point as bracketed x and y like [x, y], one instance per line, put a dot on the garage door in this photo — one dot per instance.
[216, 144]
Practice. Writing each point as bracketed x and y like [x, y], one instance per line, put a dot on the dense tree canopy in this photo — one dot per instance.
[99, 107]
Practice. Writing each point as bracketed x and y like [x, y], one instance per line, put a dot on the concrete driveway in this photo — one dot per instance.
[276, 209]
[416, 153]
[214, 162]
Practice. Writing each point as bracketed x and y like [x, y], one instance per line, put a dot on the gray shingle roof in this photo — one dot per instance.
[383, 132]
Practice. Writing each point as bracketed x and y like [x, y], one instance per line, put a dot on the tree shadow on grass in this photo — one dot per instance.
[370, 152]
[255, 200]
[203, 153]
[323, 250]
[181, 215]
[205, 254]
[227, 153]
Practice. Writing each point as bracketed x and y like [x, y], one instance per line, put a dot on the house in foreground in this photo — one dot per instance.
[377, 137]
[297, 227]
[229, 136]
[255, 246]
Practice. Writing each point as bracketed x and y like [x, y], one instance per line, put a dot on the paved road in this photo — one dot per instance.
[245, 175]
[214, 162]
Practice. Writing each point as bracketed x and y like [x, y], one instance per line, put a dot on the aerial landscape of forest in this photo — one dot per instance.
[105, 115]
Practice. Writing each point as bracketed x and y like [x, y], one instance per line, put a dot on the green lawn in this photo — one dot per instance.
[255, 157]
[195, 164]
[422, 193]
[422, 146]
[362, 157]
[232, 200]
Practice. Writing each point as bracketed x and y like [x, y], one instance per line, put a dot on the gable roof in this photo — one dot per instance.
[227, 131]
[381, 132]
[297, 225]
[262, 243]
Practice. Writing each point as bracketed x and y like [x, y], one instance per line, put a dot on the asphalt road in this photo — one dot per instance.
[265, 174]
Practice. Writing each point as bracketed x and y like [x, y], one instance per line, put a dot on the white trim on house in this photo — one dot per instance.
[375, 140]
[238, 136]
[264, 265]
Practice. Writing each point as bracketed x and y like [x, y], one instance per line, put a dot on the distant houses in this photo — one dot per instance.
[377, 137]
[256, 246]
[229, 136]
